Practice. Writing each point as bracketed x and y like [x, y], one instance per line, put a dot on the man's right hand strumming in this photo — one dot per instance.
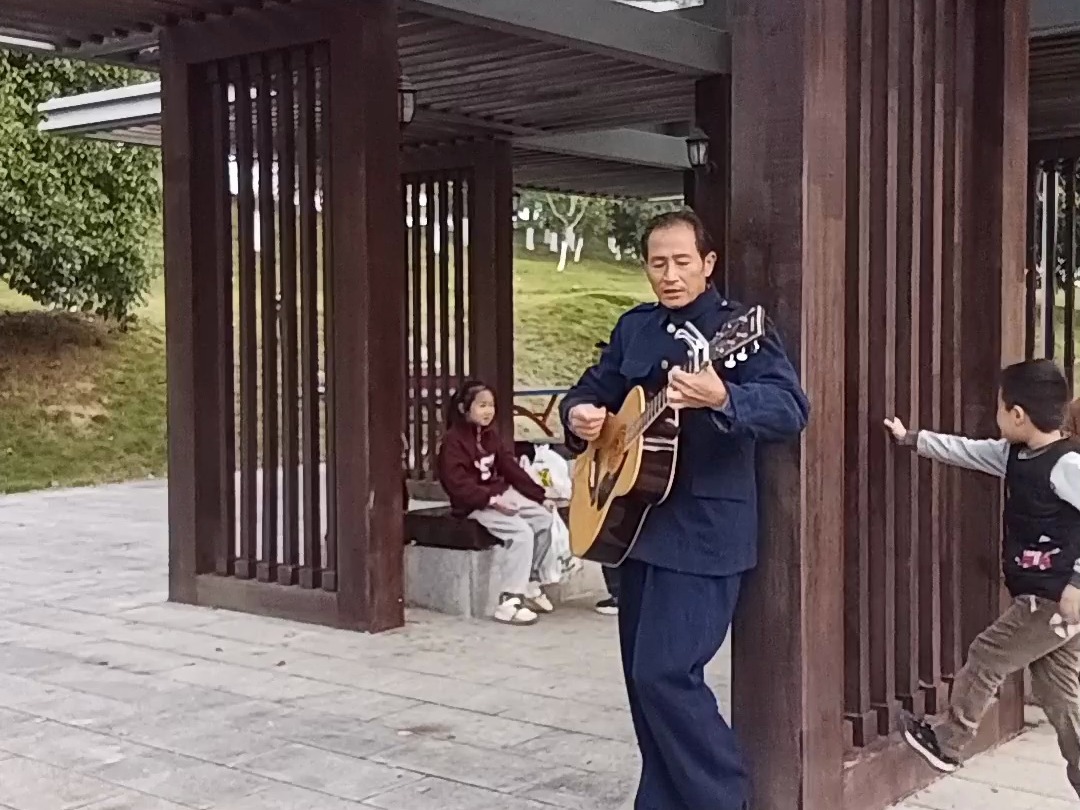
[586, 421]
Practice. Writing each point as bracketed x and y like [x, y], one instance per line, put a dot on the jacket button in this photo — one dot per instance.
[671, 329]
[664, 364]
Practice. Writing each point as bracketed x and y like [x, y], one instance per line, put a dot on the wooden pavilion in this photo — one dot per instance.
[868, 172]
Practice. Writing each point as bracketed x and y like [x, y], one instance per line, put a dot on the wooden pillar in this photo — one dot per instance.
[367, 330]
[788, 241]
[198, 350]
[878, 173]
[491, 276]
[992, 327]
[707, 189]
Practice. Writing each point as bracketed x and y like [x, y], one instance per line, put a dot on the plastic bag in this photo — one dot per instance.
[558, 563]
[551, 471]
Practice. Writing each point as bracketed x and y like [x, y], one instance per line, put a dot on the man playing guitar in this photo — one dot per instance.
[680, 583]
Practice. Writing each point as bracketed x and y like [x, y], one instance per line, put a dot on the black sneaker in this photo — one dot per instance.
[608, 607]
[921, 737]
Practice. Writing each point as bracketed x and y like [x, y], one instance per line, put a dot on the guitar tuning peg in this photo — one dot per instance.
[741, 356]
[730, 362]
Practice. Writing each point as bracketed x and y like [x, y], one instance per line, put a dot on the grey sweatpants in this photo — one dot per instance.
[527, 539]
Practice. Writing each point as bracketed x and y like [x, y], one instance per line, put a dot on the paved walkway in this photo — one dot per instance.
[112, 699]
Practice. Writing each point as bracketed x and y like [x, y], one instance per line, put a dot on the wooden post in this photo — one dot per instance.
[368, 386]
[788, 242]
[993, 327]
[878, 168]
[491, 275]
[199, 420]
[707, 189]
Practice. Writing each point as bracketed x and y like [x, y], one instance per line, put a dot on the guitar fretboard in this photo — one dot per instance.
[736, 335]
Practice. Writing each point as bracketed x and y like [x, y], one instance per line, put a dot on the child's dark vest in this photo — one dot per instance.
[1042, 532]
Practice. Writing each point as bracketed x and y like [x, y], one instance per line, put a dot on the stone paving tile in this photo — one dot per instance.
[504, 771]
[202, 786]
[440, 794]
[335, 774]
[113, 699]
[127, 800]
[582, 751]
[359, 704]
[443, 722]
[575, 789]
[29, 785]
[289, 797]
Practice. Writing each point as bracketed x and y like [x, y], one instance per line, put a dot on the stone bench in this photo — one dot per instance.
[449, 562]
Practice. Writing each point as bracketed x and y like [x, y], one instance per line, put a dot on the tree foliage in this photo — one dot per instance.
[74, 214]
[628, 220]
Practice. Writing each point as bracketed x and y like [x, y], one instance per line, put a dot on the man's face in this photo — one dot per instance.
[677, 272]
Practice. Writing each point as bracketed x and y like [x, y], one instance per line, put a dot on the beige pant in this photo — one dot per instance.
[1022, 637]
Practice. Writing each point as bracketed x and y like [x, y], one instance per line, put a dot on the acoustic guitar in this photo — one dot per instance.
[630, 467]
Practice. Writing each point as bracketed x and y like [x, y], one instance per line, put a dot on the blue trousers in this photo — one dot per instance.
[670, 626]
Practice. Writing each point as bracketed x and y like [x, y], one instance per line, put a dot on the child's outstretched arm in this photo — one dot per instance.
[990, 456]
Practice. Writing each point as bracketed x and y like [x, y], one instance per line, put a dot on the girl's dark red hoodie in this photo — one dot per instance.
[475, 466]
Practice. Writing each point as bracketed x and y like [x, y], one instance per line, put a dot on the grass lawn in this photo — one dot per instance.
[83, 403]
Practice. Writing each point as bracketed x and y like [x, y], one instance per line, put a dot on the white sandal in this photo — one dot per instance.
[536, 600]
[511, 610]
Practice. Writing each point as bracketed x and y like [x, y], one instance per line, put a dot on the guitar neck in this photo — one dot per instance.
[654, 406]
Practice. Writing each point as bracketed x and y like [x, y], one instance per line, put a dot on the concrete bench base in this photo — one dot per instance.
[459, 582]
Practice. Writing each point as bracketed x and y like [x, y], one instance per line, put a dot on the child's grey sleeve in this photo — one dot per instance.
[990, 456]
[1065, 481]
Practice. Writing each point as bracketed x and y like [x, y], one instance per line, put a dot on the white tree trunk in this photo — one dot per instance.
[562, 256]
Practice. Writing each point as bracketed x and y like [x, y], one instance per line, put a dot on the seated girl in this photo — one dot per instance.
[484, 482]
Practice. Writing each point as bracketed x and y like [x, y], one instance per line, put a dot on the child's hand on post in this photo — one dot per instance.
[897, 429]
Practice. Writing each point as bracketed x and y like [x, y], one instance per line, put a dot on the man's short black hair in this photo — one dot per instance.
[1039, 387]
[684, 216]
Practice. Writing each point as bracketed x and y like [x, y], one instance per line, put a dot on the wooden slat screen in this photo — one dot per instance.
[271, 178]
[1052, 260]
[908, 121]
[439, 263]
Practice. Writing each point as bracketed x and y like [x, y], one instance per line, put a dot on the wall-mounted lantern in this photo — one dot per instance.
[697, 149]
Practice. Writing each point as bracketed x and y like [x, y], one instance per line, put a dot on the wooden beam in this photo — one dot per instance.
[629, 146]
[788, 239]
[1054, 17]
[601, 27]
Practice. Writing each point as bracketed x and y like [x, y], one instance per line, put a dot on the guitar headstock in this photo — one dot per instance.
[738, 338]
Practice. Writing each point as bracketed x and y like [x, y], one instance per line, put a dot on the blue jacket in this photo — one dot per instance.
[708, 524]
